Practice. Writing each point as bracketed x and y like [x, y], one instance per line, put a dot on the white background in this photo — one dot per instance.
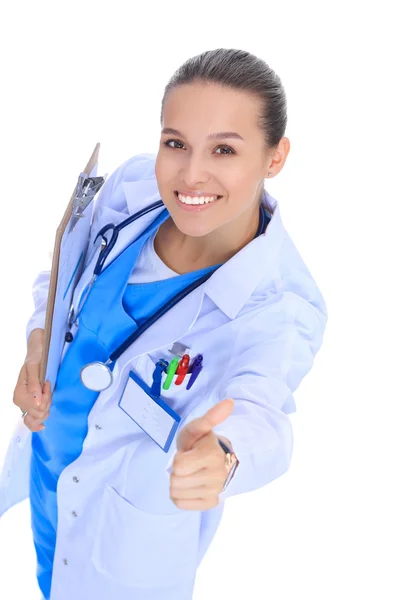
[78, 73]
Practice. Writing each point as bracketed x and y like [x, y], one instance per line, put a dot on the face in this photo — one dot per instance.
[190, 161]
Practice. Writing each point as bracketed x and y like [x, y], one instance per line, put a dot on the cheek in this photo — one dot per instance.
[161, 165]
[242, 191]
[240, 183]
[159, 169]
[164, 173]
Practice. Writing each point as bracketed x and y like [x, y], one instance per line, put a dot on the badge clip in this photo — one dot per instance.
[161, 367]
[179, 349]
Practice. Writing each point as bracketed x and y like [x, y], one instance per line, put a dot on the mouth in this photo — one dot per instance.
[196, 200]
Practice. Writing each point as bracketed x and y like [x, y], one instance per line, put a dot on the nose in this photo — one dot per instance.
[195, 172]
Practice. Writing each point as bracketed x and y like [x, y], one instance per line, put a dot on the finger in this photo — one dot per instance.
[190, 462]
[197, 493]
[199, 504]
[33, 424]
[207, 455]
[34, 388]
[25, 404]
[37, 414]
[47, 396]
[45, 416]
[201, 426]
[204, 478]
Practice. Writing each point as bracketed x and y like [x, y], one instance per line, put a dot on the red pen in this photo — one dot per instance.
[182, 369]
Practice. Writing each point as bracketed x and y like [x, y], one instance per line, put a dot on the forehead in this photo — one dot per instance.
[205, 108]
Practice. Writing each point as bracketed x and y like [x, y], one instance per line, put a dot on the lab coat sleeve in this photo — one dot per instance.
[271, 358]
[40, 292]
[272, 355]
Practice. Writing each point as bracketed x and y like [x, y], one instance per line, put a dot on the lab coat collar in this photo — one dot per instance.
[139, 194]
[233, 283]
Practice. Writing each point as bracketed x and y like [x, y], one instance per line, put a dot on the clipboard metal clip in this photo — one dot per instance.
[86, 189]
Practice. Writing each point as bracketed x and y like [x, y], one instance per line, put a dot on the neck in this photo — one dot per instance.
[183, 253]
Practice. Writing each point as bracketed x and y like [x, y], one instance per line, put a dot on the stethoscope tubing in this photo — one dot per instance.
[107, 246]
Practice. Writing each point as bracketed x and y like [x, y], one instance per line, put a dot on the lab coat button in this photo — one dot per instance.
[74, 514]
[18, 440]
[75, 478]
[65, 561]
[98, 426]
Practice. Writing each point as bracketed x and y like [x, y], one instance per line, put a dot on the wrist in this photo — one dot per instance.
[231, 460]
[35, 345]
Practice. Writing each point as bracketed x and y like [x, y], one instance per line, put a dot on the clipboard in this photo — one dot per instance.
[72, 239]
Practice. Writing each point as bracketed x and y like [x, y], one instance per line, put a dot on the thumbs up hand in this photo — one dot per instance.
[199, 469]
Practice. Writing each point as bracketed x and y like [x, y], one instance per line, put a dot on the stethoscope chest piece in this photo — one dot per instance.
[96, 376]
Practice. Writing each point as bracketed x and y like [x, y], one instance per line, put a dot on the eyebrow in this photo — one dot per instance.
[223, 135]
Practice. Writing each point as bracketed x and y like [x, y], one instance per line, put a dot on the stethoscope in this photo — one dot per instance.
[97, 376]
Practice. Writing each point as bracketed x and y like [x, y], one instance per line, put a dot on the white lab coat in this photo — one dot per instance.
[259, 322]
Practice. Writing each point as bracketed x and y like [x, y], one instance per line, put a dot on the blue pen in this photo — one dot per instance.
[161, 367]
[195, 369]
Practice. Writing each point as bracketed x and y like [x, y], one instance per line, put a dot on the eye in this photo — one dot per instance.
[226, 147]
[230, 150]
[167, 142]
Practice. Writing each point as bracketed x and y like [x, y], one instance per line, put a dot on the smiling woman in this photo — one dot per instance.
[213, 320]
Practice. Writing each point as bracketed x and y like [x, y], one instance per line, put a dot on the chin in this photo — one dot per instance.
[192, 227]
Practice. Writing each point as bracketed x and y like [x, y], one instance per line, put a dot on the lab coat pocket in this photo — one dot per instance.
[141, 549]
[177, 396]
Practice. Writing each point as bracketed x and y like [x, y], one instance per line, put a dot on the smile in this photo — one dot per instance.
[196, 200]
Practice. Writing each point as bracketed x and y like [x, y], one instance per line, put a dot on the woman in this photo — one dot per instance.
[121, 509]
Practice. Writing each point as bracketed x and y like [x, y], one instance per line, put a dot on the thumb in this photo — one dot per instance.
[201, 426]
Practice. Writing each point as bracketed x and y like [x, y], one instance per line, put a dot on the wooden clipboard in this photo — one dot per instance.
[55, 264]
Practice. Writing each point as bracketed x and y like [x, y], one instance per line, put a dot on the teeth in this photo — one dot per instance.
[197, 200]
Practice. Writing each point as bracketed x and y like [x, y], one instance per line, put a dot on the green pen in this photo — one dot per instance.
[173, 365]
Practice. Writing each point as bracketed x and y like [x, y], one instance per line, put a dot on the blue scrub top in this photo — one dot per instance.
[126, 307]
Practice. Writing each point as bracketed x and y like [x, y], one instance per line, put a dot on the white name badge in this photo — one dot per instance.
[151, 413]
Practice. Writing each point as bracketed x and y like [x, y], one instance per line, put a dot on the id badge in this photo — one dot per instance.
[149, 411]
